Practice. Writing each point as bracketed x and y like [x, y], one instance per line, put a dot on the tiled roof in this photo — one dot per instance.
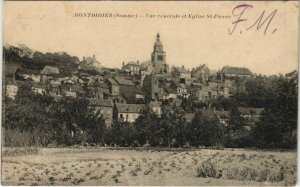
[179, 85]
[155, 104]
[28, 71]
[181, 69]
[236, 70]
[100, 85]
[38, 85]
[112, 81]
[131, 63]
[250, 111]
[49, 70]
[122, 81]
[76, 88]
[170, 90]
[101, 102]
[130, 108]
[292, 74]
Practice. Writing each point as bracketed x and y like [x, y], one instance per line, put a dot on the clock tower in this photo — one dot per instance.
[158, 57]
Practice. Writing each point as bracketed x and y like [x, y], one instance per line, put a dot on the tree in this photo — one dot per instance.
[236, 128]
[28, 117]
[123, 133]
[204, 130]
[171, 126]
[279, 121]
[146, 126]
[73, 115]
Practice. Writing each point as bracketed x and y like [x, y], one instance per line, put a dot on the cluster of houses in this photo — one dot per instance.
[122, 94]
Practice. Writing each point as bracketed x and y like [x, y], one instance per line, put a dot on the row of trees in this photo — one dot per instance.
[33, 119]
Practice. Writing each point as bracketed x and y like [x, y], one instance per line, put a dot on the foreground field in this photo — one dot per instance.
[99, 166]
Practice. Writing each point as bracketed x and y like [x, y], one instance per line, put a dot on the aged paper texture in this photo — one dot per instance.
[150, 93]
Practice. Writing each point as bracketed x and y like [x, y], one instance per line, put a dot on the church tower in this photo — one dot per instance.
[158, 57]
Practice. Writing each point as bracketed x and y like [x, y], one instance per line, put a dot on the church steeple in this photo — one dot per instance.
[158, 56]
[158, 47]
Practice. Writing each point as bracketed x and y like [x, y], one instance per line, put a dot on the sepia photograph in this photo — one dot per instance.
[149, 93]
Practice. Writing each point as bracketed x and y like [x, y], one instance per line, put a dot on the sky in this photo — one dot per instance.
[52, 27]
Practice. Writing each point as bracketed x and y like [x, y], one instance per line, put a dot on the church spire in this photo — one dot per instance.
[158, 45]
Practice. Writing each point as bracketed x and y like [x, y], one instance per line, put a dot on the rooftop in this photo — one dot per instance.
[250, 111]
[122, 81]
[101, 102]
[236, 70]
[130, 108]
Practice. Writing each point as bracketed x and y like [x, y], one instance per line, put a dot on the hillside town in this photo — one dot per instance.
[122, 94]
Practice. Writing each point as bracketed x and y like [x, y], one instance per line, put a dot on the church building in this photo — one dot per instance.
[158, 58]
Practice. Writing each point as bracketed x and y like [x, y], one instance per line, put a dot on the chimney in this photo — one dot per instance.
[94, 56]
[138, 62]
[182, 67]
[83, 57]
[123, 63]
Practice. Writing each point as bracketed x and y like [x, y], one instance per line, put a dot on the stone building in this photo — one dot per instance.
[158, 57]
[127, 112]
[201, 73]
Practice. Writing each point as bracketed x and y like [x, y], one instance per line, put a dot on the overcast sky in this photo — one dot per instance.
[52, 27]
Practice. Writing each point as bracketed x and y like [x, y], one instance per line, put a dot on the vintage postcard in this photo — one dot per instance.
[151, 93]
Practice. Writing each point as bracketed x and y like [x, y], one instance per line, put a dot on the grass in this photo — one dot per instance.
[257, 171]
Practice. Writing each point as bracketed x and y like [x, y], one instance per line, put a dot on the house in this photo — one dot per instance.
[139, 93]
[228, 72]
[70, 93]
[128, 89]
[213, 90]
[99, 90]
[39, 88]
[114, 87]
[104, 107]
[181, 73]
[132, 68]
[70, 90]
[124, 82]
[49, 70]
[201, 73]
[127, 112]
[148, 70]
[153, 88]
[170, 93]
[90, 63]
[55, 89]
[293, 76]
[134, 95]
[180, 88]
[11, 89]
[156, 107]
[28, 74]
[200, 93]
[252, 115]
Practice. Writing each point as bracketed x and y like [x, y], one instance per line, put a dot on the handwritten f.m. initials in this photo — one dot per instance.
[260, 22]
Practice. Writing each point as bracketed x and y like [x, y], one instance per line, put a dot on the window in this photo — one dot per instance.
[159, 57]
